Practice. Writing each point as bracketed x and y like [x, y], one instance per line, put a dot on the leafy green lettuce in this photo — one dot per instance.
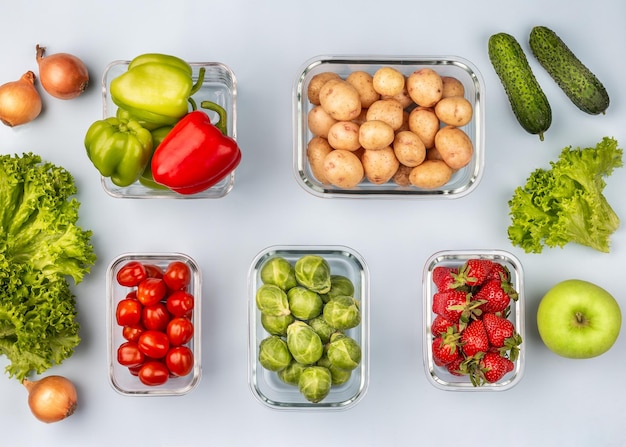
[566, 203]
[41, 247]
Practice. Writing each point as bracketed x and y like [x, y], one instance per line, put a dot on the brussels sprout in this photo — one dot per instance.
[339, 286]
[342, 312]
[280, 272]
[313, 272]
[276, 325]
[322, 328]
[272, 300]
[344, 352]
[305, 345]
[315, 383]
[304, 303]
[339, 376]
[291, 374]
[274, 353]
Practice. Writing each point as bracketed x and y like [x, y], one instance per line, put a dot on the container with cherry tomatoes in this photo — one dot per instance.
[153, 323]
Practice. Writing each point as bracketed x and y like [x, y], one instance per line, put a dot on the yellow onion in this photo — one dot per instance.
[52, 398]
[62, 75]
[20, 102]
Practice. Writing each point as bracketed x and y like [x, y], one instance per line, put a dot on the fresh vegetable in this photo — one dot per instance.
[20, 102]
[119, 149]
[41, 246]
[156, 321]
[580, 85]
[467, 340]
[308, 345]
[52, 398]
[62, 75]
[362, 133]
[528, 101]
[155, 88]
[194, 155]
[566, 203]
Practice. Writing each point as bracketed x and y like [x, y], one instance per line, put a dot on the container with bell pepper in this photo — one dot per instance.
[155, 89]
[195, 154]
[119, 149]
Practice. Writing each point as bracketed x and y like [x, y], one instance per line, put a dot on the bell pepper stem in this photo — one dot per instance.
[221, 124]
[199, 82]
[194, 106]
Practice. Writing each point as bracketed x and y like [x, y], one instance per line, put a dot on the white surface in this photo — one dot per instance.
[558, 402]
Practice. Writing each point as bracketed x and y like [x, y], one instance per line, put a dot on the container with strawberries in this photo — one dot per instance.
[473, 320]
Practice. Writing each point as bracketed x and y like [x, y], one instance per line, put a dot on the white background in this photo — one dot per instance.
[558, 402]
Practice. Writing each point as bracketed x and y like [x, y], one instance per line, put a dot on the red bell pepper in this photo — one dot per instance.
[194, 155]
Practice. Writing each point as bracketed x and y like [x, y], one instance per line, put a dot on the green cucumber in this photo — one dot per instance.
[580, 85]
[528, 101]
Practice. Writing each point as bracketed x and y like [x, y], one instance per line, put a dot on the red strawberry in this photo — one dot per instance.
[455, 366]
[499, 271]
[494, 366]
[474, 339]
[496, 294]
[440, 325]
[443, 277]
[498, 329]
[444, 350]
[449, 304]
[474, 272]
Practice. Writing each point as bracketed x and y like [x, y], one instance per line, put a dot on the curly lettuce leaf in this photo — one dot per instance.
[566, 203]
[41, 246]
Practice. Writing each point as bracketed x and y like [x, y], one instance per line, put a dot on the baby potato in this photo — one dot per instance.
[344, 135]
[431, 174]
[401, 177]
[388, 81]
[433, 154]
[452, 87]
[425, 87]
[319, 121]
[363, 82]
[454, 110]
[380, 165]
[340, 99]
[455, 146]
[409, 148]
[317, 149]
[387, 110]
[361, 118]
[375, 134]
[402, 97]
[424, 123]
[343, 169]
[315, 85]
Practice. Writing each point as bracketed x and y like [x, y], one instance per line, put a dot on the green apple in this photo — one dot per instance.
[579, 320]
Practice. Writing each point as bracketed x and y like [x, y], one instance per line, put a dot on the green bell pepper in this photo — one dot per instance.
[119, 149]
[155, 88]
[146, 178]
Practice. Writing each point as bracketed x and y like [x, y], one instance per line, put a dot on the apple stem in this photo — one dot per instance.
[580, 319]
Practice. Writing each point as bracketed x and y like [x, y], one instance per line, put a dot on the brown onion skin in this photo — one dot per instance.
[20, 102]
[52, 398]
[62, 75]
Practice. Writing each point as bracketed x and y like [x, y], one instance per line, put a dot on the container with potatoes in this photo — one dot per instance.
[388, 126]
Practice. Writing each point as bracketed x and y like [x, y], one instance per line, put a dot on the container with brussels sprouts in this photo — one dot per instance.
[309, 327]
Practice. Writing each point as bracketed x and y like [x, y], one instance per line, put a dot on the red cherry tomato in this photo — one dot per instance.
[128, 312]
[153, 271]
[150, 291]
[179, 331]
[179, 360]
[132, 333]
[131, 274]
[134, 370]
[155, 317]
[154, 344]
[153, 373]
[180, 303]
[177, 275]
[128, 354]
